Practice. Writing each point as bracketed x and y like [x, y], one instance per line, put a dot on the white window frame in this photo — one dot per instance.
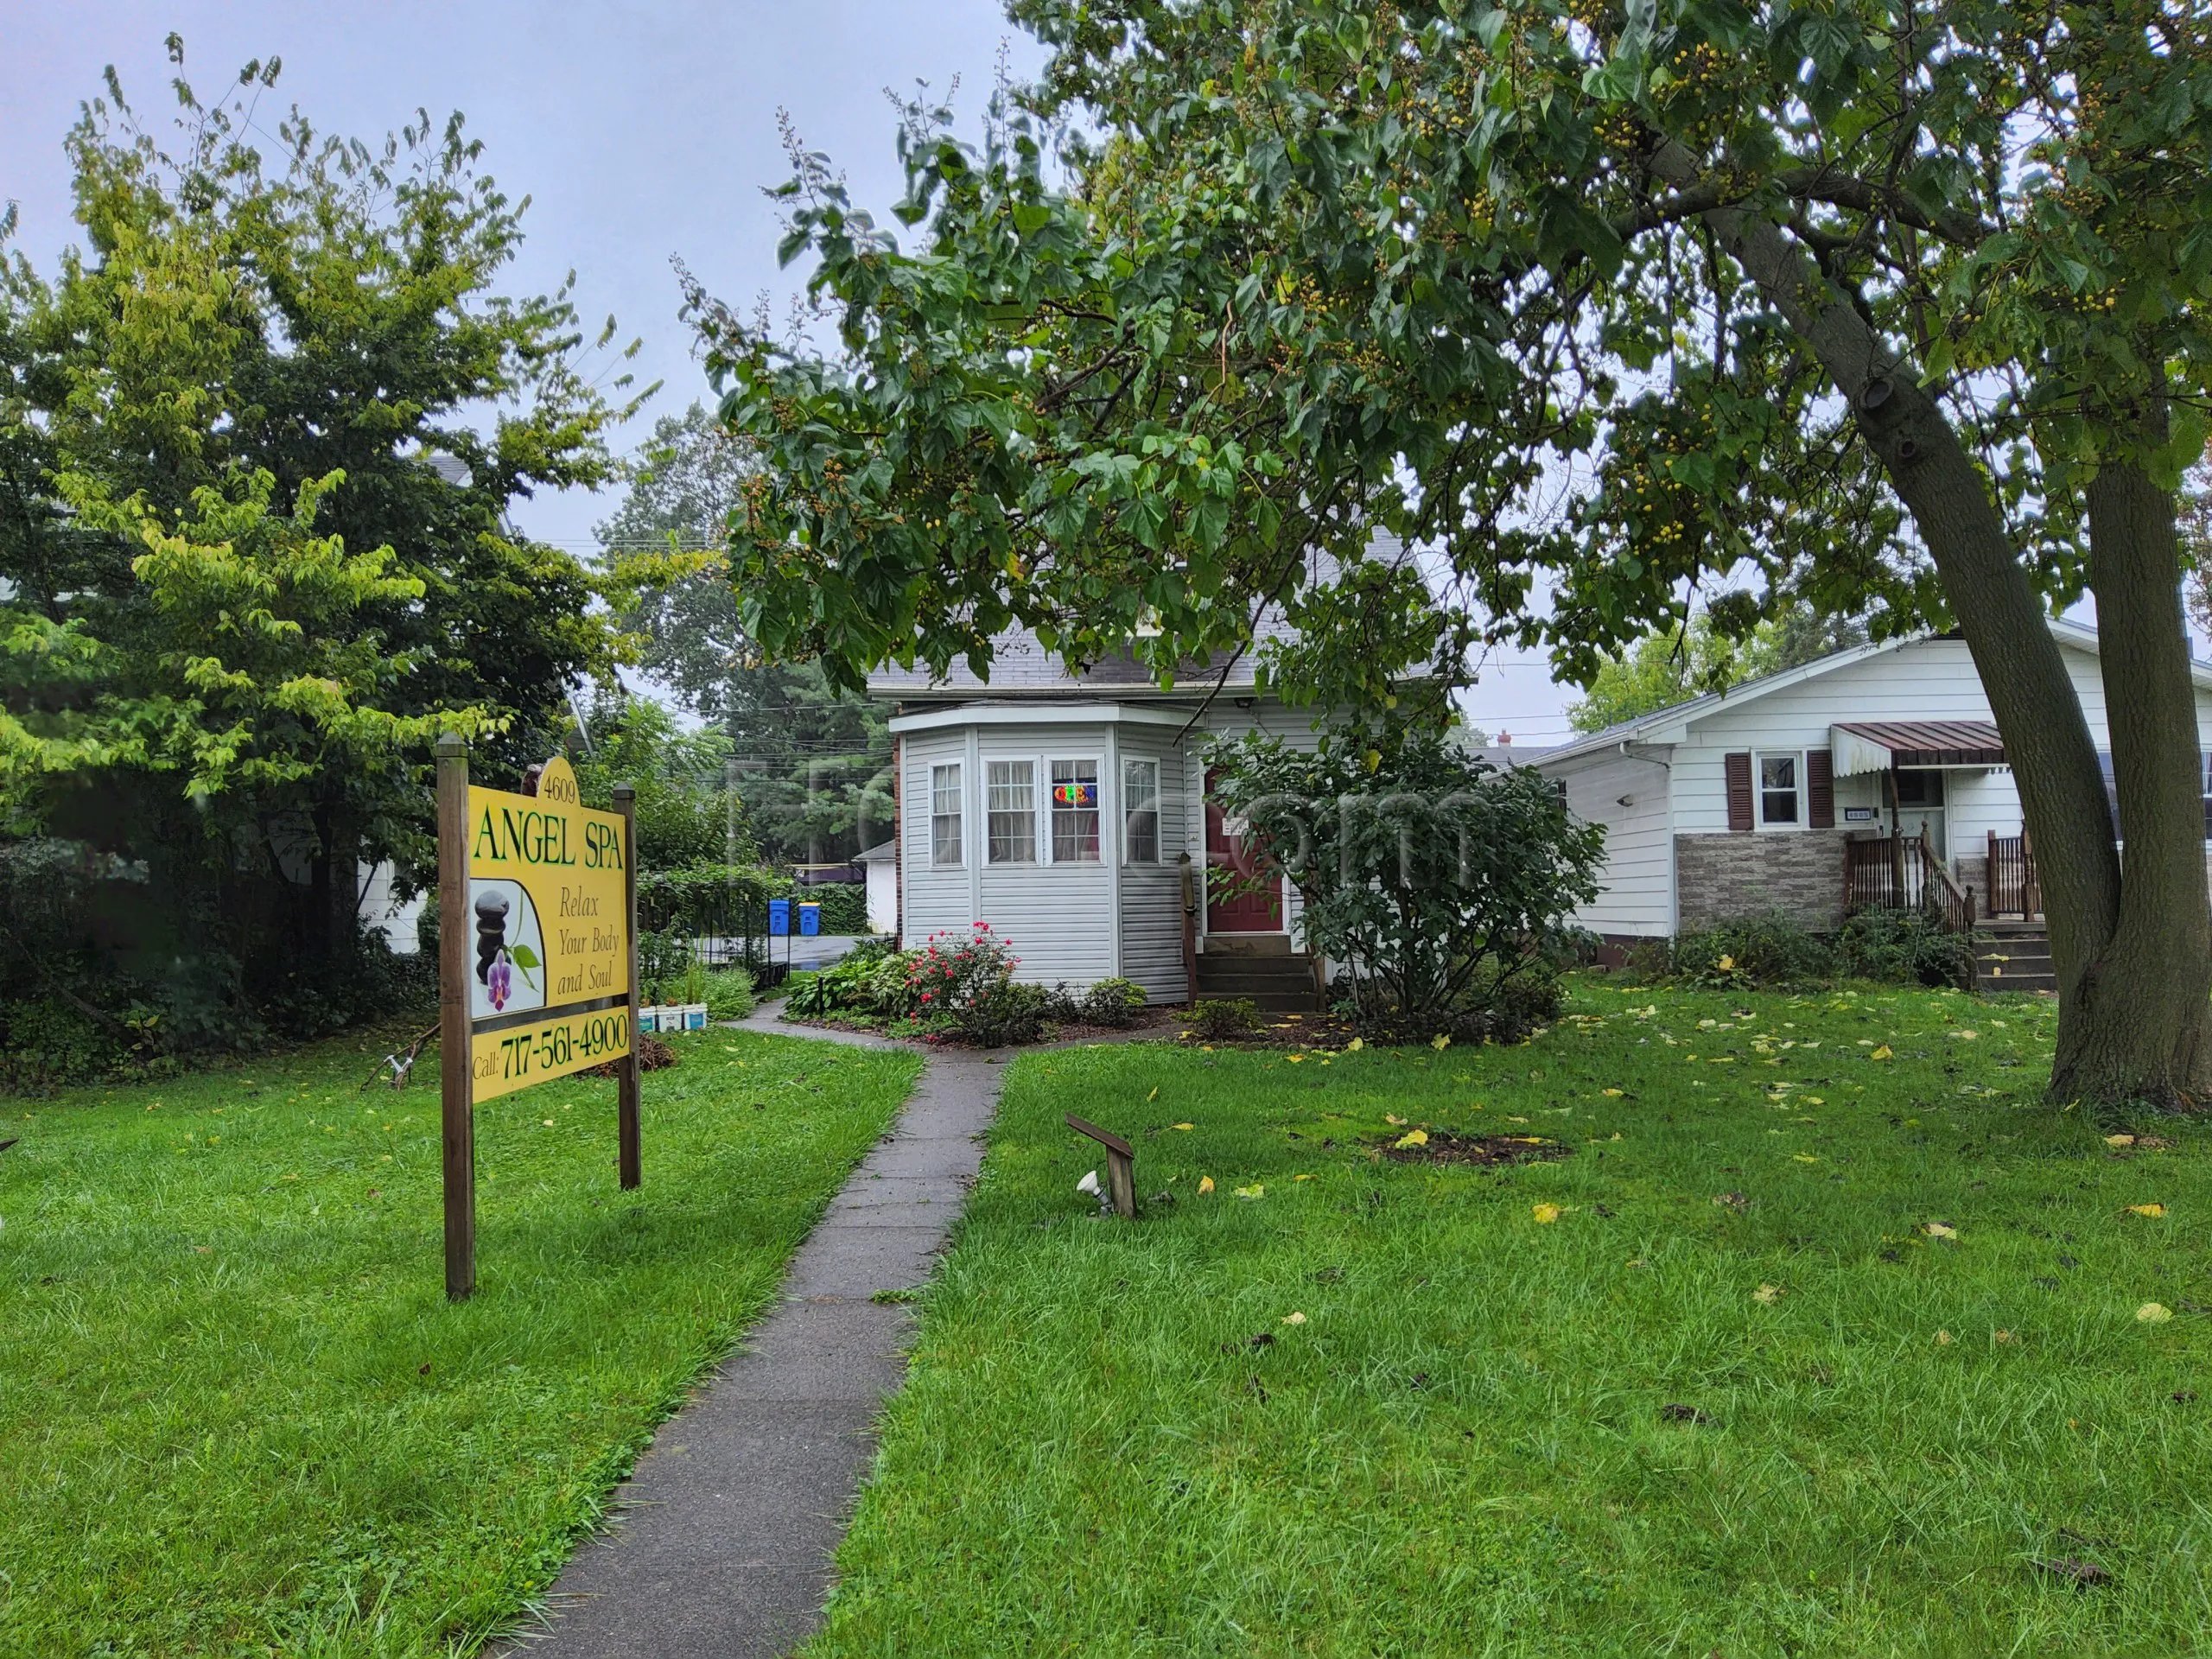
[1797, 757]
[1048, 854]
[1039, 846]
[959, 815]
[1159, 819]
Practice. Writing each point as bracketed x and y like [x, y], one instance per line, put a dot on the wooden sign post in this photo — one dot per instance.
[1121, 1166]
[537, 962]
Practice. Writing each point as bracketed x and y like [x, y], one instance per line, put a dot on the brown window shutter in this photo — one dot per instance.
[1739, 789]
[1819, 788]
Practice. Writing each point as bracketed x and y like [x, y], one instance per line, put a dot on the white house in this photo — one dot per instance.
[1060, 810]
[880, 864]
[1738, 805]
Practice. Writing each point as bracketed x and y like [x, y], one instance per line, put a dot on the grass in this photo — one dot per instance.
[1117, 1439]
[237, 1414]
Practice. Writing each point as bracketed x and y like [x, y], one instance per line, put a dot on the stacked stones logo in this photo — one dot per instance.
[510, 966]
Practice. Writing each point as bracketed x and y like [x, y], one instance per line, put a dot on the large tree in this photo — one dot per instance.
[1899, 304]
[258, 440]
[811, 760]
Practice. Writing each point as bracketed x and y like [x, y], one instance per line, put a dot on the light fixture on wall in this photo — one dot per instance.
[1624, 800]
[1246, 702]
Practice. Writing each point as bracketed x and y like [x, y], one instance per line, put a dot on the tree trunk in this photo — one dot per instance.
[2109, 1047]
[2147, 995]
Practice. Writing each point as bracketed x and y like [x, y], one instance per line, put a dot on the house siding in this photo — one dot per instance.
[1637, 900]
[932, 898]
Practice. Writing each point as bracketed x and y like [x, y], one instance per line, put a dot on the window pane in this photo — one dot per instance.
[1075, 811]
[1140, 811]
[944, 815]
[1012, 812]
[1778, 789]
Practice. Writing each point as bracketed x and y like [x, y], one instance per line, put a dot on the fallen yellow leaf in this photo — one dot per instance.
[1255, 1191]
[1294, 1319]
[1155, 1095]
[1943, 1338]
[1394, 1120]
[1881, 1053]
[1206, 1183]
[1296, 1060]
[1614, 1094]
[1804, 1158]
[1354, 1046]
[1769, 1294]
[1301, 1178]
[2153, 1313]
[2146, 1209]
[1441, 1041]
[1183, 1126]
[1413, 1138]
[2119, 1140]
[1937, 1229]
[1544, 1213]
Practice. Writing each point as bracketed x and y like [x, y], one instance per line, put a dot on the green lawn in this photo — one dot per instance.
[237, 1414]
[1464, 1448]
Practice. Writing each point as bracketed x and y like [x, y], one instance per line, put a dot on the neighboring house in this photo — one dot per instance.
[1739, 805]
[1059, 810]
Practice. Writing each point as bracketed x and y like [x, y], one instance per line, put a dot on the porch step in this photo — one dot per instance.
[2016, 958]
[1275, 983]
[1245, 944]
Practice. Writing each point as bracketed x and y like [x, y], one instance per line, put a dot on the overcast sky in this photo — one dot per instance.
[639, 132]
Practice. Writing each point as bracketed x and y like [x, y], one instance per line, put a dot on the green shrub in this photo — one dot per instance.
[1008, 1011]
[1897, 947]
[1908, 947]
[729, 993]
[1218, 1018]
[1433, 879]
[1114, 1002]
[1759, 950]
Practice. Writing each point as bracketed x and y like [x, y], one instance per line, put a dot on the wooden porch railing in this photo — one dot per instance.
[1905, 872]
[2014, 887]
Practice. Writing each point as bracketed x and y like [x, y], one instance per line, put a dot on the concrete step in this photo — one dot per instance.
[1220, 984]
[1265, 1002]
[1276, 967]
[1244, 944]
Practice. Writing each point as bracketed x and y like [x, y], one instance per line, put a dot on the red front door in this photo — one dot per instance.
[1230, 858]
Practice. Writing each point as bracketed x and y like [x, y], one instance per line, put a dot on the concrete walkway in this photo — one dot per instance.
[722, 1541]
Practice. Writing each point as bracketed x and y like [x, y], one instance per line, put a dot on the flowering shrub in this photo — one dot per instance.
[963, 986]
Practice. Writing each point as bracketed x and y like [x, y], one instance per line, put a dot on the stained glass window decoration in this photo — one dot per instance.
[1075, 811]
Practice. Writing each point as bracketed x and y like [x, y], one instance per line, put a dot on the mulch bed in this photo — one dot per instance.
[1487, 1150]
[1319, 1031]
[1154, 1019]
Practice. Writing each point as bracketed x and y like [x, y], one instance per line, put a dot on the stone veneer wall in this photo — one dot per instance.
[1730, 877]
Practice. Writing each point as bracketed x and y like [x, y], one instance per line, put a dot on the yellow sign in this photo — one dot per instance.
[549, 968]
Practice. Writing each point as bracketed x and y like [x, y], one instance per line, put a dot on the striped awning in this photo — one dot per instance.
[1863, 746]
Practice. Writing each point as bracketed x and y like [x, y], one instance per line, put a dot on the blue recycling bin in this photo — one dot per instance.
[779, 919]
[809, 920]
